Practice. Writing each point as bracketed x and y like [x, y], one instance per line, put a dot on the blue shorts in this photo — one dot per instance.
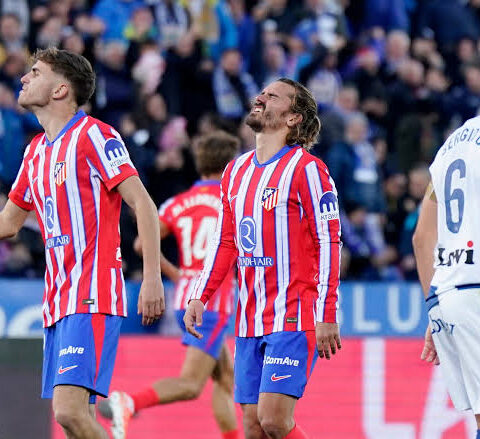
[214, 328]
[280, 362]
[80, 350]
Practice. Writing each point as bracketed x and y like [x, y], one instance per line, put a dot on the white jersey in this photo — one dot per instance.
[456, 180]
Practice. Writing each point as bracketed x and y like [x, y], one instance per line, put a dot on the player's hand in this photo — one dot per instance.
[328, 339]
[151, 300]
[193, 317]
[429, 352]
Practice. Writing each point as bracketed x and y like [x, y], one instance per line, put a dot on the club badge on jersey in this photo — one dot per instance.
[60, 173]
[270, 198]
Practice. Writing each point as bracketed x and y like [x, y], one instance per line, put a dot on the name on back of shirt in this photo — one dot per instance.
[197, 200]
[462, 136]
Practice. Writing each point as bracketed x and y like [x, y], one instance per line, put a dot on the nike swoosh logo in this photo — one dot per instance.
[281, 377]
[231, 199]
[66, 369]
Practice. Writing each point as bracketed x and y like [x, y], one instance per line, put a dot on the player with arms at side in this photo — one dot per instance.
[192, 217]
[74, 176]
[445, 244]
[280, 223]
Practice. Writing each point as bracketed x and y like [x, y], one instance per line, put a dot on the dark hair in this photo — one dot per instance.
[213, 151]
[73, 67]
[306, 132]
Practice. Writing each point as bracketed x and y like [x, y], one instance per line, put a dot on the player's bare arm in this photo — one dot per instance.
[168, 269]
[151, 300]
[424, 241]
[328, 339]
[193, 316]
[12, 218]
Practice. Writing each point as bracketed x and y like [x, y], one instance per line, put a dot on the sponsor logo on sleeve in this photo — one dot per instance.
[329, 209]
[116, 153]
[248, 234]
[270, 198]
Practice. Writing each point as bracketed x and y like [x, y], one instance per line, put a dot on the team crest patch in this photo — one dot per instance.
[60, 172]
[270, 198]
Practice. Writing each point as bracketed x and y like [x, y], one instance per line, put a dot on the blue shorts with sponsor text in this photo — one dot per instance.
[280, 362]
[80, 350]
[214, 327]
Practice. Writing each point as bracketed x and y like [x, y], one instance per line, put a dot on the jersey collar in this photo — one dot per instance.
[277, 156]
[78, 115]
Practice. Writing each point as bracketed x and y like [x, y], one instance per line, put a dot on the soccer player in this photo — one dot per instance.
[192, 217]
[280, 224]
[74, 176]
[445, 244]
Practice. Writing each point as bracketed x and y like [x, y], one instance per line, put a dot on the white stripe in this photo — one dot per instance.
[78, 238]
[94, 179]
[281, 240]
[239, 213]
[98, 141]
[259, 283]
[179, 293]
[124, 292]
[323, 236]
[113, 293]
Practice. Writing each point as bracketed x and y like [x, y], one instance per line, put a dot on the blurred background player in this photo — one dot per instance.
[192, 217]
[280, 223]
[445, 244]
[75, 175]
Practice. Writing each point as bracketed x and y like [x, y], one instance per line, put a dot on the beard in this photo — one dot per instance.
[258, 123]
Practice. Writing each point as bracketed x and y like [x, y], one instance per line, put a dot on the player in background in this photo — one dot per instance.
[192, 217]
[280, 224]
[74, 175]
[446, 248]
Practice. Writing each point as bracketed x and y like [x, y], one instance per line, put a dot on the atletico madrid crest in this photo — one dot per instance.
[60, 173]
[270, 198]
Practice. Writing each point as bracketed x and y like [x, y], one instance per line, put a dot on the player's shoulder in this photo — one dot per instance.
[237, 162]
[96, 128]
[307, 159]
[32, 146]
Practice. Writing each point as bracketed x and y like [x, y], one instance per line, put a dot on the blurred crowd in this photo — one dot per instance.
[392, 79]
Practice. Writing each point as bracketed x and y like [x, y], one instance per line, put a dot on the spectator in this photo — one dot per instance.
[450, 21]
[334, 119]
[233, 88]
[354, 167]
[322, 26]
[187, 82]
[11, 36]
[320, 75]
[387, 14]
[173, 21]
[114, 15]
[115, 92]
[397, 46]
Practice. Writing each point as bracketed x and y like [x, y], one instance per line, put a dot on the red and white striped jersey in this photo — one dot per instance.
[280, 224]
[192, 218]
[69, 183]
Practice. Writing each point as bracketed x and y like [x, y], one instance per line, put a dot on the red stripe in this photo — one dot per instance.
[98, 329]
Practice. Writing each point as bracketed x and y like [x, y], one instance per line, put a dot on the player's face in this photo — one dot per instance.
[271, 108]
[38, 85]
